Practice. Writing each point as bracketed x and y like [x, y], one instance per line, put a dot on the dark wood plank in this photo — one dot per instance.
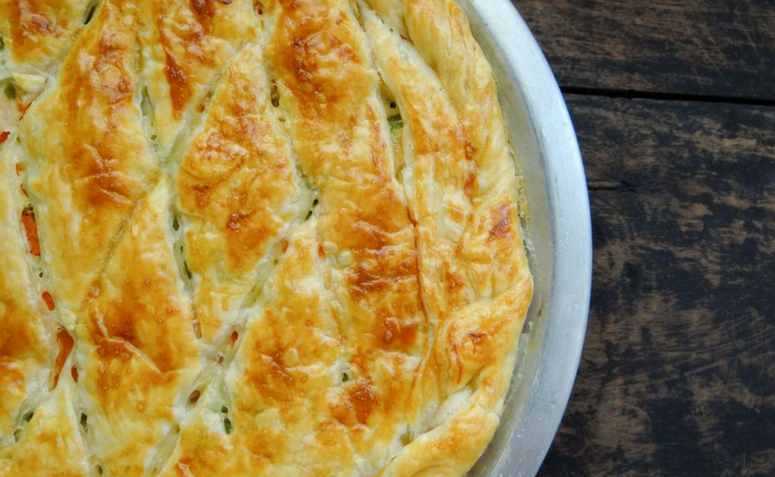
[703, 47]
[678, 372]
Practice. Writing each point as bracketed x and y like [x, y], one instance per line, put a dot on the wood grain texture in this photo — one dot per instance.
[700, 47]
[678, 372]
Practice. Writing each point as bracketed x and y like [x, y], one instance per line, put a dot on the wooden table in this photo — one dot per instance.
[674, 104]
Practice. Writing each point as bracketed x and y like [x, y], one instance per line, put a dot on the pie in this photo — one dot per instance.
[253, 238]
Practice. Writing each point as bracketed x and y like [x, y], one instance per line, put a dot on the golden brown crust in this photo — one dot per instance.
[88, 156]
[281, 237]
[185, 44]
[135, 343]
[51, 440]
[238, 193]
[37, 33]
[24, 355]
[474, 272]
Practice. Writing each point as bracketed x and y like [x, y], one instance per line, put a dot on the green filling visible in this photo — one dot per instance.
[187, 270]
[10, 91]
[90, 9]
[396, 124]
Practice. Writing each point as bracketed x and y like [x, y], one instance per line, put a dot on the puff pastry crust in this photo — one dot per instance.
[253, 237]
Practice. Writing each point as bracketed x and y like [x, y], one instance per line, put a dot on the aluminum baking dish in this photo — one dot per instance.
[559, 240]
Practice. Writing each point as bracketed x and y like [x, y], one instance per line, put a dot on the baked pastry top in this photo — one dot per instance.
[243, 238]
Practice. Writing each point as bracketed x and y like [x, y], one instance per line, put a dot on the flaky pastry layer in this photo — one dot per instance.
[243, 237]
